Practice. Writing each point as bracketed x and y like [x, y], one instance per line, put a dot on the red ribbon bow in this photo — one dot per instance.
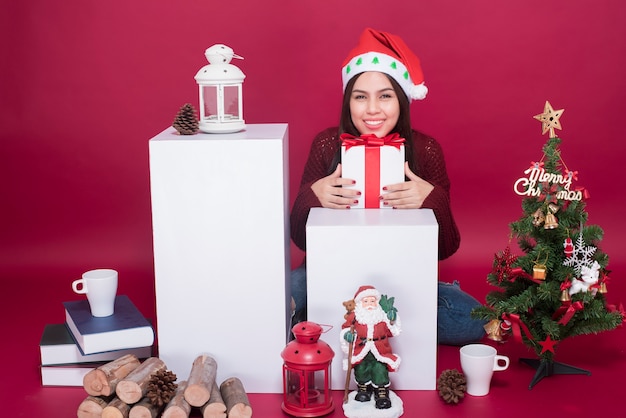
[371, 140]
[518, 326]
[548, 192]
[568, 309]
[572, 174]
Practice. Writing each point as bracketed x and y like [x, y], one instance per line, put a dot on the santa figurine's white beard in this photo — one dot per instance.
[369, 316]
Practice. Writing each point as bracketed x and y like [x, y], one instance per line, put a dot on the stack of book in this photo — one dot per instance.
[83, 342]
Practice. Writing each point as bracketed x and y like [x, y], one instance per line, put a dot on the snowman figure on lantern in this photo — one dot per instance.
[220, 89]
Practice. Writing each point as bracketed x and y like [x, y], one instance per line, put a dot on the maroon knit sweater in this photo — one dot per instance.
[430, 166]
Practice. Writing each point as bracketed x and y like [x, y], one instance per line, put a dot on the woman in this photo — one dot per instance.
[381, 76]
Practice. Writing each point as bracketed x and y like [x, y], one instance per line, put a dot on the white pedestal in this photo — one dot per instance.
[393, 250]
[221, 251]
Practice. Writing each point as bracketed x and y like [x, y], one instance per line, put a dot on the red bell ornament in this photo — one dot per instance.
[307, 373]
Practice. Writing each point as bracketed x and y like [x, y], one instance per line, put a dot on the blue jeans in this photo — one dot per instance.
[455, 326]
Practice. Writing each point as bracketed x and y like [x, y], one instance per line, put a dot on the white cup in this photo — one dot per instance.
[478, 362]
[101, 287]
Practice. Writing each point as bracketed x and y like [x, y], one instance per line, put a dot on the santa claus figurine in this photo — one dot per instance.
[365, 338]
[568, 247]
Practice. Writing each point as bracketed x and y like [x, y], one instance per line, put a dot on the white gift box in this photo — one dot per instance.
[221, 251]
[372, 167]
[393, 250]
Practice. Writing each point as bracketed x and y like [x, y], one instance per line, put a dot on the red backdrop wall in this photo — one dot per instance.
[85, 84]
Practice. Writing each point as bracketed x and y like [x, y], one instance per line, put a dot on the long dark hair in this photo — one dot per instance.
[403, 126]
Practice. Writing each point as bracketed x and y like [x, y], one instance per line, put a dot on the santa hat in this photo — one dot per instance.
[365, 291]
[386, 53]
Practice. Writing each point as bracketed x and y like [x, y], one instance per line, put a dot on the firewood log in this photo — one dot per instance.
[201, 378]
[178, 407]
[215, 407]
[134, 386]
[116, 409]
[144, 409]
[234, 394]
[92, 406]
[102, 380]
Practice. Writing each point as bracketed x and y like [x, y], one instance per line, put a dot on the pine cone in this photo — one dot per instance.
[186, 120]
[451, 385]
[161, 388]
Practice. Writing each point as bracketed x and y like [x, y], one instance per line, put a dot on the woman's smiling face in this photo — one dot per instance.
[374, 105]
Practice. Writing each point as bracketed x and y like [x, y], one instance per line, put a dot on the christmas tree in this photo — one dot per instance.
[557, 288]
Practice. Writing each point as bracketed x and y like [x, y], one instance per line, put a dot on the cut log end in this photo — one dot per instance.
[197, 395]
[236, 399]
[176, 412]
[116, 409]
[96, 383]
[129, 392]
[240, 411]
[134, 386]
[144, 409]
[215, 407]
[91, 407]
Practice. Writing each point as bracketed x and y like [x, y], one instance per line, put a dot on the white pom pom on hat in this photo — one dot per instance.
[386, 53]
[365, 291]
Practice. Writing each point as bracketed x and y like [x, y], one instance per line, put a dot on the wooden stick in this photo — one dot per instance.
[116, 409]
[201, 378]
[134, 386]
[144, 409]
[215, 407]
[346, 390]
[178, 407]
[102, 380]
[92, 406]
[234, 394]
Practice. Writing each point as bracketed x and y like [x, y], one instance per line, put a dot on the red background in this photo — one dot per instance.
[85, 84]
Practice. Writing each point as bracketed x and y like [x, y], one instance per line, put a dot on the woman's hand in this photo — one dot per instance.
[330, 193]
[409, 194]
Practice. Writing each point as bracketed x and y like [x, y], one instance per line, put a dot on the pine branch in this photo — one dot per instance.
[484, 312]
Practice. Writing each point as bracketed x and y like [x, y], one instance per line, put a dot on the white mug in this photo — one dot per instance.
[478, 362]
[101, 287]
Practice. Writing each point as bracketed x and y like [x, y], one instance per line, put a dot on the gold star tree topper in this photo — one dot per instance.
[549, 119]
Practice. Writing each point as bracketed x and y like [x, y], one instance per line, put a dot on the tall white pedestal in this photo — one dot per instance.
[221, 251]
[393, 250]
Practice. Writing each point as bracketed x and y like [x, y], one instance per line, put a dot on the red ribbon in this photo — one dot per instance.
[517, 326]
[372, 177]
[371, 140]
[372, 145]
[519, 272]
[569, 309]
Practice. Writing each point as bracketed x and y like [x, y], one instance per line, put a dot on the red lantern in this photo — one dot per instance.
[306, 373]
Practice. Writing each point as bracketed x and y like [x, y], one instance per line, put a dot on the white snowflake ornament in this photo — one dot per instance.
[586, 269]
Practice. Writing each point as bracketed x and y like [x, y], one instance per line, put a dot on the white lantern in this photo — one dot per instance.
[220, 88]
